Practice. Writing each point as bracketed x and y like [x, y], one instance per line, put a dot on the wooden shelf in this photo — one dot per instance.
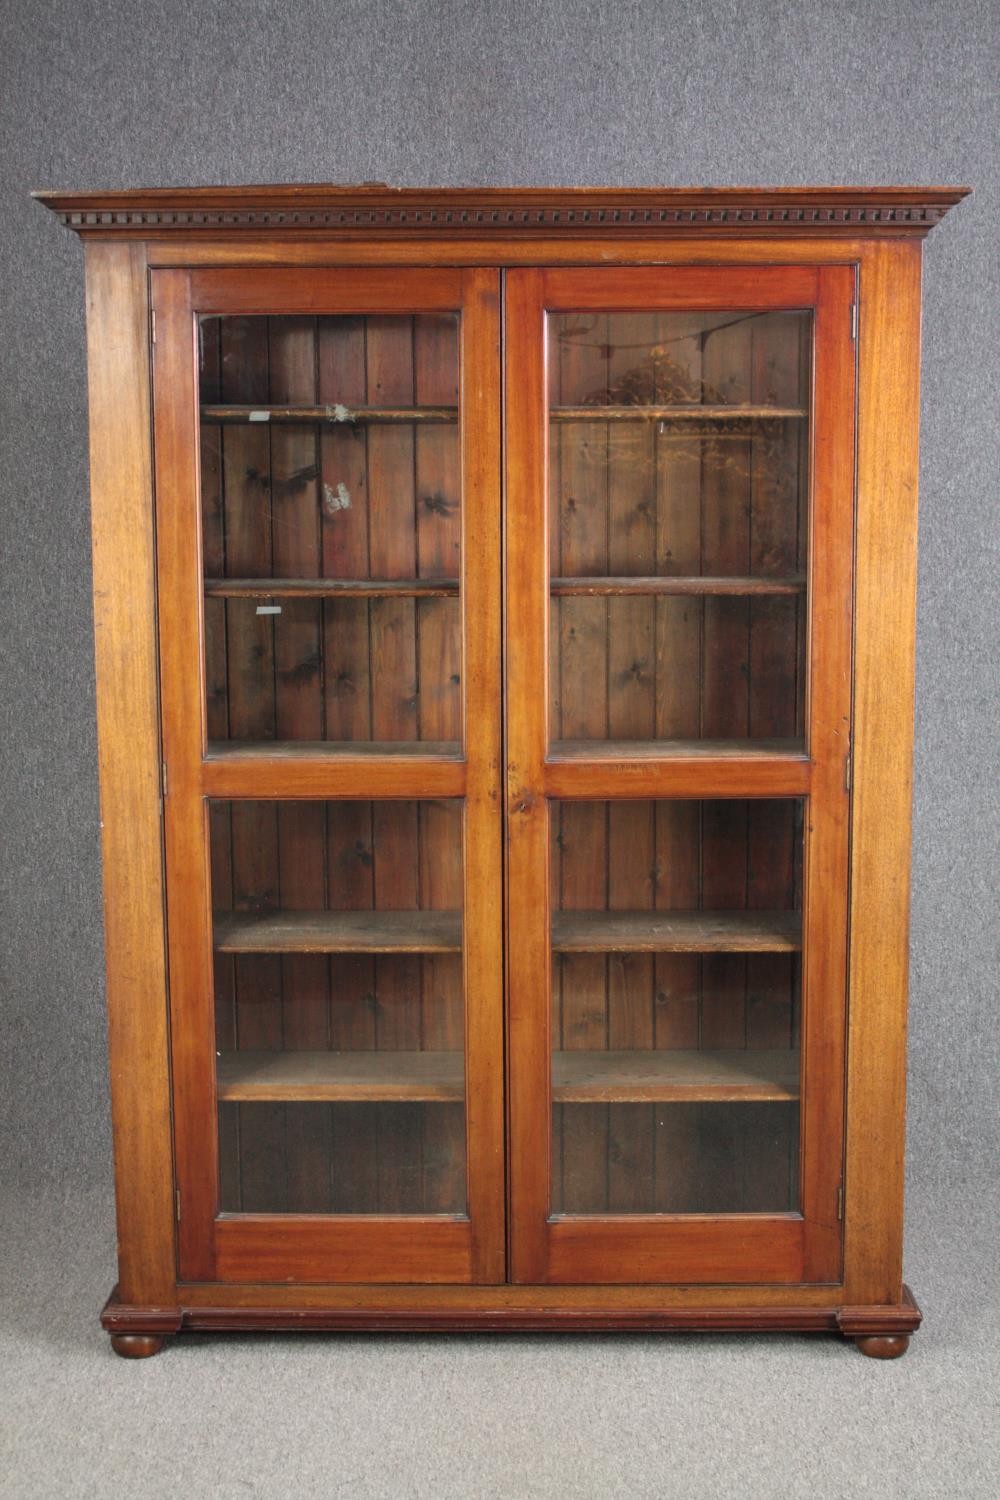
[619, 750]
[339, 932]
[341, 415]
[572, 932]
[584, 1077]
[579, 1077]
[295, 750]
[739, 586]
[330, 588]
[333, 416]
[676, 932]
[672, 413]
[376, 588]
[421, 1077]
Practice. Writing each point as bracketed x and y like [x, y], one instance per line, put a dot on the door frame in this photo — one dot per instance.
[326, 1248]
[691, 1248]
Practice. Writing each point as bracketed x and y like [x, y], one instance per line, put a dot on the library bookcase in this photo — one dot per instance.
[504, 615]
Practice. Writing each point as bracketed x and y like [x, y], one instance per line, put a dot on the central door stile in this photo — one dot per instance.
[526, 697]
[483, 654]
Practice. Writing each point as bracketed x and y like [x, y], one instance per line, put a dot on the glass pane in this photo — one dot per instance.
[339, 1006]
[676, 947]
[678, 495]
[331, 505]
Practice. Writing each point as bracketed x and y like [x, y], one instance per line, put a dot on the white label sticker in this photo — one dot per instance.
[338, 499]
[260, 416]
[269, 609]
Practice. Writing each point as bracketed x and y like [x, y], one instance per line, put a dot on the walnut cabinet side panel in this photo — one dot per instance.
[129, 760]
[888, 420]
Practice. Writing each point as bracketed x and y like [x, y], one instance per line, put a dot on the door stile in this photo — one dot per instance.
[188, 885]
[828, 709]
[527, 694]
[483, 864]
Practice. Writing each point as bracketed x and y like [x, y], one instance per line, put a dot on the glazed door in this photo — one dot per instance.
[680, 458]
[327, 473]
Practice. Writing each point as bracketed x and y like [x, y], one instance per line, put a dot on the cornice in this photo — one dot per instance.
[310, 209]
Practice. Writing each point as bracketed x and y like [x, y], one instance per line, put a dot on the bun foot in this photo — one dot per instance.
[136, 1345]
[883, 1345]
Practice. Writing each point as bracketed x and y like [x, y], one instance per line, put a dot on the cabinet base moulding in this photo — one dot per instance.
[881, 1332]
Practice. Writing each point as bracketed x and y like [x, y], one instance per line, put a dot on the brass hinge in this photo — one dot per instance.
[152, 325]
[840, 1204]
[177, 1205]
[854, 321]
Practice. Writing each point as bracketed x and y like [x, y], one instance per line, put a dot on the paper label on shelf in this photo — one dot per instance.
[269, 609]
[260, 416]
[337, 499]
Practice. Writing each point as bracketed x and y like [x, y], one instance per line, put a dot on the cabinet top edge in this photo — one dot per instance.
[375, 208]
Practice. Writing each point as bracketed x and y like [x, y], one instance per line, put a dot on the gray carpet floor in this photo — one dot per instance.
[230, 1417]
